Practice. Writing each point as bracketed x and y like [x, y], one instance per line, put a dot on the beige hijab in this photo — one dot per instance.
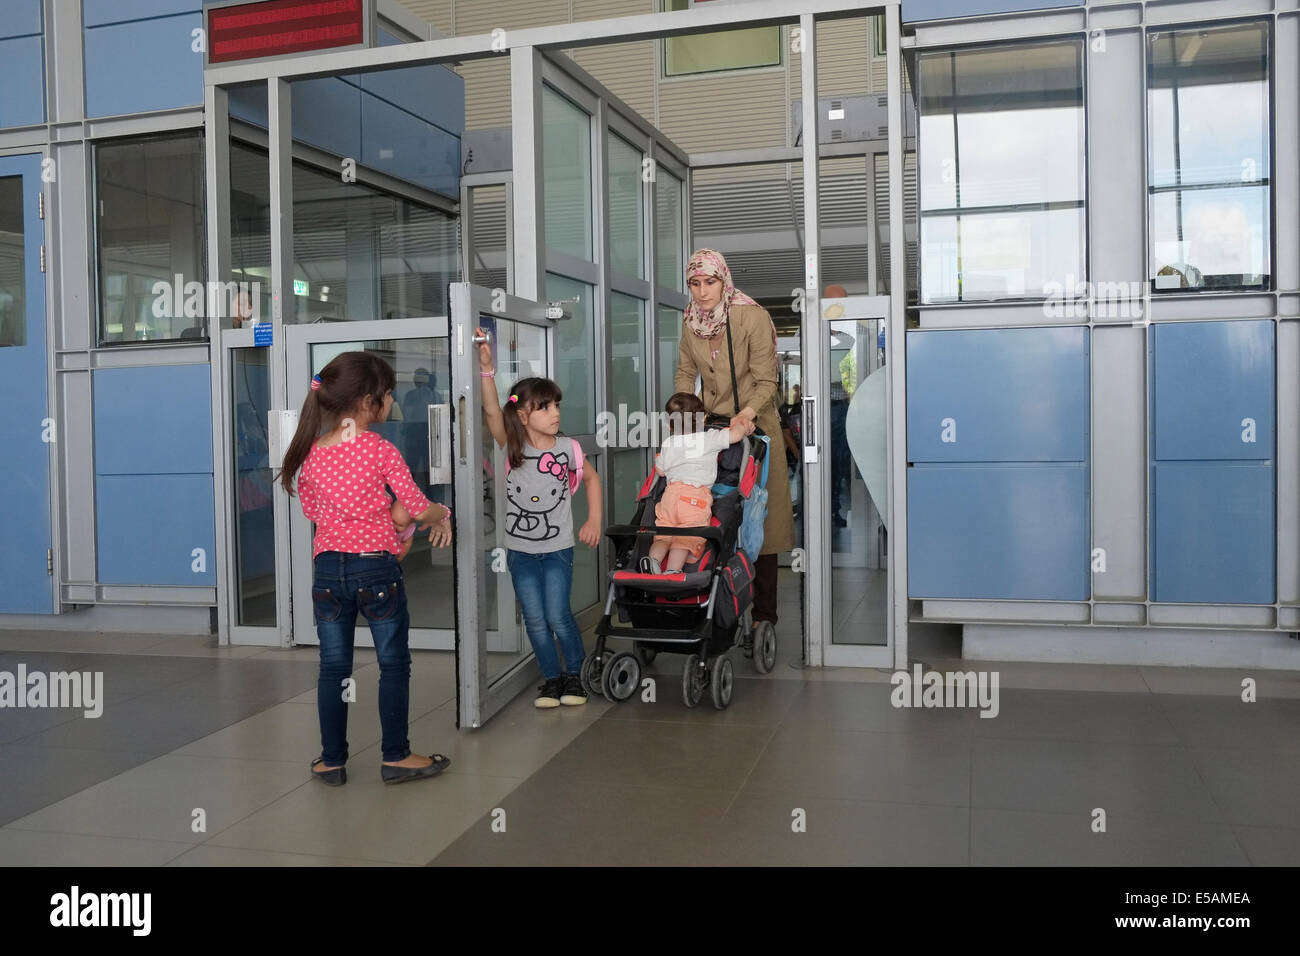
[707, 262]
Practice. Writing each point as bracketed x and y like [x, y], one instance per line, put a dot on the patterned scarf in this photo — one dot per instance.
[707, 262]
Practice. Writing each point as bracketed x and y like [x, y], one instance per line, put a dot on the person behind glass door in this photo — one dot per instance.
[542, 473]
[342, 467]
[716, 305]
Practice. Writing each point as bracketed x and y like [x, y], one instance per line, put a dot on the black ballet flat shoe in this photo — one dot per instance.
[331, 778]
[392, 774]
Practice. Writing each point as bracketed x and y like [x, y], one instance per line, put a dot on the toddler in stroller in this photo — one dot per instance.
[698, 605]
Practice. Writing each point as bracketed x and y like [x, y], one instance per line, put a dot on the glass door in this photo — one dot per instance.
[419, 425]
[26, 429]
[494, 660]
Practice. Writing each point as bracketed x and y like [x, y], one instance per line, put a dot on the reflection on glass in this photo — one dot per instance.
[630, 470]
[859, 539]
[627, 346]
[669, 267]
[519, 352]
[254, 523]
[13, 264]
[488, 262]
[360, 254]
[586, 586]
[566, 175]
[1001, 169]
[575, 355]
[149, 196]
[423, 370]
[668, 336]
[626, 229]
[1208, 157]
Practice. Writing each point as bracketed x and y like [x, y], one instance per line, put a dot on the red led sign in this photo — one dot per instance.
[275, 27]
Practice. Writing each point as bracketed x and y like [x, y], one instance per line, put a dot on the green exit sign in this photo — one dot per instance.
[299, 287]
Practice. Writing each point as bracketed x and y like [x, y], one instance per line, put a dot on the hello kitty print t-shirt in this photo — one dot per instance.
[342, 490]
[539, 513]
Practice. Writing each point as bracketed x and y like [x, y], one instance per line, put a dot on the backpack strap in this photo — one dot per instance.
[575, 467]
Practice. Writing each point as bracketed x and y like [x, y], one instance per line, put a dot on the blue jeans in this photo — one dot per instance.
[342, 585]
[542, 585]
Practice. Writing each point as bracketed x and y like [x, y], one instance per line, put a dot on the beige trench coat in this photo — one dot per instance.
[753, 339]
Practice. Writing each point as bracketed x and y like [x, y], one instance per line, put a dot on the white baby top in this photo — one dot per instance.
[693, 459]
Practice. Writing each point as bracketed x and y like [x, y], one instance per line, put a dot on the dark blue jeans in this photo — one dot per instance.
[344, 584]
[542, 585]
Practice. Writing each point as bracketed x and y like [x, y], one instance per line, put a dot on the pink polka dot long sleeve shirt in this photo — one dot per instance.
[341, 488]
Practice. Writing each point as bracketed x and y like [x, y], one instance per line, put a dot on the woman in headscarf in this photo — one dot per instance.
[716, 304]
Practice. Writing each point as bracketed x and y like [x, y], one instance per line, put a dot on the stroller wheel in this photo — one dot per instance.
[692, 680]
[764, 647]
[590, 675]
[622, 677]
[723, 682]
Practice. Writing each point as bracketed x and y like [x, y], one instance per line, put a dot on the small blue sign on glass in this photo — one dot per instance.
[262, 333]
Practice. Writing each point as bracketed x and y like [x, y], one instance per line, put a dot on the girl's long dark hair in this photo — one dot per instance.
[530, 394]
[345, 384]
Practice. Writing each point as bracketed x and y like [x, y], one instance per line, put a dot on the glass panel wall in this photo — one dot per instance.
[575, 355]
[253, 491]
[669, 267]
[626, 217]
[566, 161]
[149, 230]
[668, 335]
[1002, 171]
[1208, 157]
[13, 264]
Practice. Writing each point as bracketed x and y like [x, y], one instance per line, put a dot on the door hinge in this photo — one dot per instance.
[40, 205]
[42, 257]
[49, 561]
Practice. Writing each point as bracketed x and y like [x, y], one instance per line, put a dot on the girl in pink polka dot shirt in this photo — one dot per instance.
[342, 469]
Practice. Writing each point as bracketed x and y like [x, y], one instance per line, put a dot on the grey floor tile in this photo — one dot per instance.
[285, 732]
[1254, 787]
[890, 768]
[149, 723]
[35, 777]
[1074, 777]
[1078, 715]
[367, 820]
[664, 755]
[554, 819]
[35, 848]
[868, 707]
[1218, 682]
[758, 830]
[759, 702]
[157, 800]
[207, 855]
[1035, 838]
[1228, 722]
[19, 724]
[245, 679]
[1270, 846]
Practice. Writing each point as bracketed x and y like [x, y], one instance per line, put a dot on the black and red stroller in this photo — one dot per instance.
[702, 611]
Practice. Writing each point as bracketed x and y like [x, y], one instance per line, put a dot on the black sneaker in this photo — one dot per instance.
[548, 695]
[573, 692]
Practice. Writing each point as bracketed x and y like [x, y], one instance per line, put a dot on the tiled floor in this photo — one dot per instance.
[200, 759]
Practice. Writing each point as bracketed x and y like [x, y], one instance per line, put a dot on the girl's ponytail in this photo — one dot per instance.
[309, 422]
[349, 382]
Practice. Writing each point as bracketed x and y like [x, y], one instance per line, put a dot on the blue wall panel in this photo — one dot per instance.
[432, 93]
[153, 420]
[1213, 532]
[21, 18]
[913, 10]
[397, 143]
[1014, 394]
[1206, 377]
[1012, 532]
[22, 81]
[148, 527]
[117, 80]
[327, 113]
[99, 12]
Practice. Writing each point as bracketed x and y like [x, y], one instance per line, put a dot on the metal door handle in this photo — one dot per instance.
[481, 339]
[809, 425]
[439, 444]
